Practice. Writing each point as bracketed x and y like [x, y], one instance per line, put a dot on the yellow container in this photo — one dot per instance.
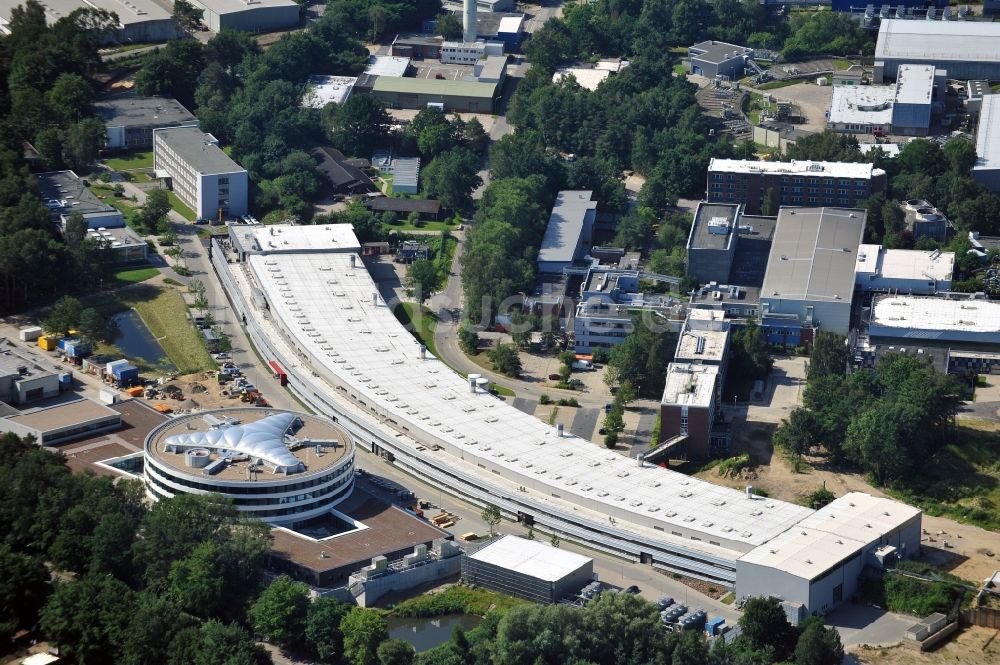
[48, 343]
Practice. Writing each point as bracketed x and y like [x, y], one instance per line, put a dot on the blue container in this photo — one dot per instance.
[126, 374]
[714, 625]
[65, 380]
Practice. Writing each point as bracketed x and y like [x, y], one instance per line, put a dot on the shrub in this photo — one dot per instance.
[610, 439]
[545, 399]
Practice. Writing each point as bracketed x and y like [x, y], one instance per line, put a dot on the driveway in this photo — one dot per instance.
[863, 624]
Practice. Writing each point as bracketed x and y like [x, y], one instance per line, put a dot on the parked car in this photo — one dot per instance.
[583, 365]
[554, 377]
[634, 590]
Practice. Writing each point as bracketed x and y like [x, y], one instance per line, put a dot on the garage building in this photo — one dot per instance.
[249, 15]
[528, 569]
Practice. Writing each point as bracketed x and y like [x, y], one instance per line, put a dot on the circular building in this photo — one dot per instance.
[277, 466]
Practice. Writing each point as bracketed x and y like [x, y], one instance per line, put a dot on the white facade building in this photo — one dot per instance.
[323, 90]
[967, 320]
[903, 270]
[986, 171]
[202, 175]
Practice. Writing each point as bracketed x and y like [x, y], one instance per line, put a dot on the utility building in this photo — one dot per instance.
[818, 563]
[201, 174]
[528, 569]
[809, 281]
[903, 270]
[711, 245]
[569, 233]
[967, 49]
[412, 93]
[249, 15]
[712, 58]
[130, 120]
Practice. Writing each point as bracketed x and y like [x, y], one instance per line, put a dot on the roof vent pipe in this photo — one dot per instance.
[749, 491]
[352, 260]
[423, 352]
[559, 429]
[375, 298]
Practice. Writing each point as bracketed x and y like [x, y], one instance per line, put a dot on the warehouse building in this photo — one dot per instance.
[201, 174]
[260, 458]
[448, 95]
[794, 183]
[986, 170]
[966, 49]
[712, 58]
[962, 320]
[819, 563]
[909, 271]
[527, 569]
[249, 15]
[62, 422]
[322, 90]
[569, 232]
[130, 120]
[139, 21]
[65, 193]
[913, 99]
[809, 281]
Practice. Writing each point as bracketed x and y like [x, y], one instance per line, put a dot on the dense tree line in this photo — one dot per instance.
[890, 422]
[641, 359]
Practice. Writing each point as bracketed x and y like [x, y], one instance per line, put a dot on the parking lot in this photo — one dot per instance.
[429, 69]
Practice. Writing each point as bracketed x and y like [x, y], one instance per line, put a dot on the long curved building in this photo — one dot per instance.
[278, 466]
[312, 309]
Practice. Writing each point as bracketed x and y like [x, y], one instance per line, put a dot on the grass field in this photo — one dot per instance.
[136, 275]
[164, 313]
[963, 483]
[455, 600]
[403, 225]
[773, 85]
[179, 207]
[422, 326]
[132, 160]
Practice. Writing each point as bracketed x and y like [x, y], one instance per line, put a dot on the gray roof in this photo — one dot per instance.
[405, 171]
[488, 23]
[717, 52]
[198, 149]
[814, 253]
[701, 237]
[922, 41]
[494, 67]
[67, 186]
[132, 111]
[562, 235]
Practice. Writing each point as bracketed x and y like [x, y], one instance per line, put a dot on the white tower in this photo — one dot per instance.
[469, 28]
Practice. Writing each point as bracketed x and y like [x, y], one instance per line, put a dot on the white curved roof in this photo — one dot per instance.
[264, 438]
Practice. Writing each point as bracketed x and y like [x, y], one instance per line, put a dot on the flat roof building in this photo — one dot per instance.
[712, 58]
[711, 244]
[965, 320]
[65, 193]
[414, 93]
[204, 177]
[126, 245]
[794, 183]
[387, 65]
[690, 407]
[527, 569]
[138, 20]
[323, 90]
[818, 563]
[130, 120]
[810, 270]
[861, 109]
[910, 271]
[66, 421]
[587, 78]
[986, 170]
[249, 15]
[569, 231]
[967, 49]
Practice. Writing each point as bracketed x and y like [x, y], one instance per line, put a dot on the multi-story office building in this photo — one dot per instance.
[201, 174]
[130, 120]
[795, 183]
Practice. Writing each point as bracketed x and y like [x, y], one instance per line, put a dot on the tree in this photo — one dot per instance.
[770, 205]
[82, 142]
[468, 339]
[421, 279]
[506, 360]
[395, 652]
[89, 618]
[451, 177]
[172, 71]
[153, 211]
[358, 125]
[363, 631]
[187, 16]
[153, 626]
[817, 644]
[554, 539]
[214, 642]
[69, 98]
[322, 628]
[95, 327]
[24, 586]
[491, 515]
[449, 26]
[830, 356]
[279, 613]
[764, 625]
[64, 316]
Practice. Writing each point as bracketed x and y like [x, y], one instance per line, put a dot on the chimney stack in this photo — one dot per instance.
[469, 28]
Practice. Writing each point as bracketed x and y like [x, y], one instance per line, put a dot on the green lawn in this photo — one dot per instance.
[455, 600]
[164, 313]
[180, 207]
[403, 225]
[841, 65]
[136, 275]
[680, 70]
[132, 160]
[773, 85]
[421, 326]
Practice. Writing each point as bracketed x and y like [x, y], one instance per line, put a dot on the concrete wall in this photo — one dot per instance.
[209, 200]
[754, 580]
[432, 570]
[712, 265]
[771, 138]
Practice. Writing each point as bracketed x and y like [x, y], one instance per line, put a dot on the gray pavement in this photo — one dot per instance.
[585, 421]
[863, 624]
[526, 405]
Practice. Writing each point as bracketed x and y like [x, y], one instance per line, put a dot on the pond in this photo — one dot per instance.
[135, 341]
[429, 632]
